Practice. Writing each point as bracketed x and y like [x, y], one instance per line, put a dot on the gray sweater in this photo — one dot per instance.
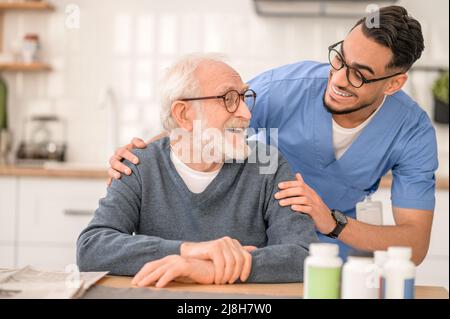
[147, 215]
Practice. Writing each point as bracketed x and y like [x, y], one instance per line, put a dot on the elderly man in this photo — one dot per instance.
[187, 213]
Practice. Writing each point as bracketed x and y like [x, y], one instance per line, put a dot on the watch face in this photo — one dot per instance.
[340, 217]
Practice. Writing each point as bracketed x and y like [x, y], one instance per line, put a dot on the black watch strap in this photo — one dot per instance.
[341, 222]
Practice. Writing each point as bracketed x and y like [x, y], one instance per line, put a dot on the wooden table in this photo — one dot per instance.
[278, 290]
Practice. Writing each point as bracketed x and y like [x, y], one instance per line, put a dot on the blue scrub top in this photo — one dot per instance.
[400, 138]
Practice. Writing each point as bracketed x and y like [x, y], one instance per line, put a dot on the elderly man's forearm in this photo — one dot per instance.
[278, 263]
[119, 253]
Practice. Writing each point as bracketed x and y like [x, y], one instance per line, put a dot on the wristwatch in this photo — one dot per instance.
[341, 222]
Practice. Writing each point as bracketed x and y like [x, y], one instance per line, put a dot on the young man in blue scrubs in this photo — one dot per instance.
[342, 126]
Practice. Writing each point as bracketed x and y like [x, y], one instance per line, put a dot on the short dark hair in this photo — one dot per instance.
[399, 32]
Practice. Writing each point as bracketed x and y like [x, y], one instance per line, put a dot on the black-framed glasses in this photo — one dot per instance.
[354, 76]
[231, 99]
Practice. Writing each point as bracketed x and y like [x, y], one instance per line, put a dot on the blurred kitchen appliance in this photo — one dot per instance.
[44, 140]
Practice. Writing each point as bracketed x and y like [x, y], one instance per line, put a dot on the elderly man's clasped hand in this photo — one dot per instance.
[221, 261]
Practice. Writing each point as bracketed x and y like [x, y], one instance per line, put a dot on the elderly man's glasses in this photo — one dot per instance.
[354, 76]
[231, 99]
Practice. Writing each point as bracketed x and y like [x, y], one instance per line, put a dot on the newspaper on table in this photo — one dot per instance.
[28, 283]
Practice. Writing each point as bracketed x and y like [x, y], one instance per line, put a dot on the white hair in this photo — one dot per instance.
[180, 82]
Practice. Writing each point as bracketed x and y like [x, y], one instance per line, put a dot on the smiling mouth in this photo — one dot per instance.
[340, 93]
[236, 130]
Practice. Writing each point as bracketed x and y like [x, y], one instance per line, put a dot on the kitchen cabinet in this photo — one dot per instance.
[55, 211]
[51, 215]
[8, 201]
[41, 219]
[46, 256]
[7, 256]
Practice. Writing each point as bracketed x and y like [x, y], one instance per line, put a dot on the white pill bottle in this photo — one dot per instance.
[380, 257]
[322, 272]
[358, 278]
[398, 274]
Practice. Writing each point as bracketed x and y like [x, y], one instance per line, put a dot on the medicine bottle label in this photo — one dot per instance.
[323, 283]
[408, 289]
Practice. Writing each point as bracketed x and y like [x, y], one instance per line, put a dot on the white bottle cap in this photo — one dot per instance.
[400, 252]
[380, 257]
[321, 249]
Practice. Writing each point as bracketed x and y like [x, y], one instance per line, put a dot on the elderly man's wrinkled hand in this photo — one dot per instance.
[175, 268]
[231, 260]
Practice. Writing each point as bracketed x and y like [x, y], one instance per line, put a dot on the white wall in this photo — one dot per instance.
[126, 44]
[434, 270]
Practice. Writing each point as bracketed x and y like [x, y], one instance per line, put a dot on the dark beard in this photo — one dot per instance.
[343, 112]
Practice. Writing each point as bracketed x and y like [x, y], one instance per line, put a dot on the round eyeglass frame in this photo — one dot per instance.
[229, 95]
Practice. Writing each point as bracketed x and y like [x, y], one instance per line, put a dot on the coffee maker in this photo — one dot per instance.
[44, 140]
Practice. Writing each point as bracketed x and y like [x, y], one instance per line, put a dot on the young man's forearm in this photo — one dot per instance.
[369, 237]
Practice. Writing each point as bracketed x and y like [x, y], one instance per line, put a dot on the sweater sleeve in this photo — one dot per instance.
[289, 235]
[109, 243]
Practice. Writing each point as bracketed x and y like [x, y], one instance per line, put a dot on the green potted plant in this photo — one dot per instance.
[440, 93]
[5, 135]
